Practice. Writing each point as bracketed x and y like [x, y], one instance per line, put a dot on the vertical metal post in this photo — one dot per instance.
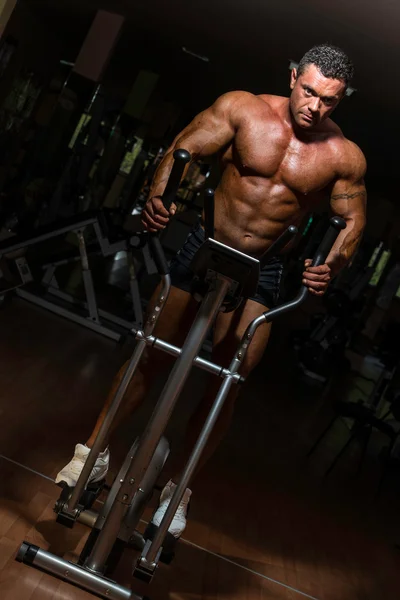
[156, 426]
[134, 289]
[150, 554]
[87, 278]
[115, 404]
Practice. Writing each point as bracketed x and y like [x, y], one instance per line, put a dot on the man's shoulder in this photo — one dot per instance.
[242, 106]
[349, 155]
[239, 98]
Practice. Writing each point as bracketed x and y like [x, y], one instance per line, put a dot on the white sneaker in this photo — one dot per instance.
[178, 524]
[70, 473]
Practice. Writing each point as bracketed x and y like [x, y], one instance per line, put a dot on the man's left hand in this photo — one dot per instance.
[316, 278]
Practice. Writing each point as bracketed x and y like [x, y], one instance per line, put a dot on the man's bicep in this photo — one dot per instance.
[349, 194]
[348, 197]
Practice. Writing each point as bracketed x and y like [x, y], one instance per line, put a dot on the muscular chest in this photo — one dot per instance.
[268, 151]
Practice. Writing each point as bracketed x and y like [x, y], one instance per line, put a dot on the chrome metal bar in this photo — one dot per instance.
[41, 237]
[102, 313]
[204, 364]
[87, 278]
[153, 550]
[105, 588]
[134, 290]
[158, 421]
[116, 402]
[68, 314]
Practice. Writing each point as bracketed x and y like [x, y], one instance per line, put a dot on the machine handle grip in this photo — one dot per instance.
[209, 212]
[158, 254]
[279, 244]
[181, 158]
[336, 226]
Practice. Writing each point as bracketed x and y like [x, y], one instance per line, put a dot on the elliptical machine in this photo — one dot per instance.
[229, 276]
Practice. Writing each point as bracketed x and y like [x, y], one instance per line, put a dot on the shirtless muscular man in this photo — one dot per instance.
[280, 157]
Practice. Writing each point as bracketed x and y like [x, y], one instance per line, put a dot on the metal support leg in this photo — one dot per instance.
[48, 277]
[105, 588]
[153, 550]
[134, 289]
[123, 386]
[156, 426]
[150, 554]
[87, 278]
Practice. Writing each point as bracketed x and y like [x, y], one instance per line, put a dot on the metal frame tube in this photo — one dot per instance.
[158, 422]
[202, 363]
[68, 314]
[105, 588]
[150, 554]
[134, 289]
[87, 277]
[41, 237]
[153, 550]
[133, 363]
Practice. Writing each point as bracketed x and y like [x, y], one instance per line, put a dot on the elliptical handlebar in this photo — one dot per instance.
[181, 158]
[209, 213]
[278, 245]
[335, 227]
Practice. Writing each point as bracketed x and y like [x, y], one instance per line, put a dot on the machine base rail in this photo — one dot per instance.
[94, 583]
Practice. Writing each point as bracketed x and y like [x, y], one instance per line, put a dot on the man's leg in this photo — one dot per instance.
[228, 333]
[173, 325]
[229, 330]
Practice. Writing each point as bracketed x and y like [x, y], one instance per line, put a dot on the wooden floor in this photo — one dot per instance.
[264, 525]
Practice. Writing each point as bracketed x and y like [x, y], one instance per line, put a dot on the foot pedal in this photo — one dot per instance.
[169, 543]
[89, 495]
[86, 502]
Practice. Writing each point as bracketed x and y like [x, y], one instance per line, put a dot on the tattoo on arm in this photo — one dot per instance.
[359, 194]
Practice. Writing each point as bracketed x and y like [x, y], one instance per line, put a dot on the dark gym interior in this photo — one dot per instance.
[302, 497]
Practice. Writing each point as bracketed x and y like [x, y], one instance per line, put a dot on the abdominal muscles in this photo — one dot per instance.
[252, 211]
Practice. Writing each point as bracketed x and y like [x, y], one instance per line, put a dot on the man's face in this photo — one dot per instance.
[313, 97]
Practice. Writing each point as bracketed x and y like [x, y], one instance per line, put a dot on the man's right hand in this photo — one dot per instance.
[155, 216]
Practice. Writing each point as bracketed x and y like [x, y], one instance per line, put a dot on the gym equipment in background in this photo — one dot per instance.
[18, 274]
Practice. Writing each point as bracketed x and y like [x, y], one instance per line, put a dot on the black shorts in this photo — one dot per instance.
[182, 277]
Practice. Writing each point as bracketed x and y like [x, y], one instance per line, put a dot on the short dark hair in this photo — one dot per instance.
[330, 60]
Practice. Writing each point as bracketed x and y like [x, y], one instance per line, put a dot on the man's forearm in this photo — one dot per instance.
[345, 246]
[161, 174]
[164, 168]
